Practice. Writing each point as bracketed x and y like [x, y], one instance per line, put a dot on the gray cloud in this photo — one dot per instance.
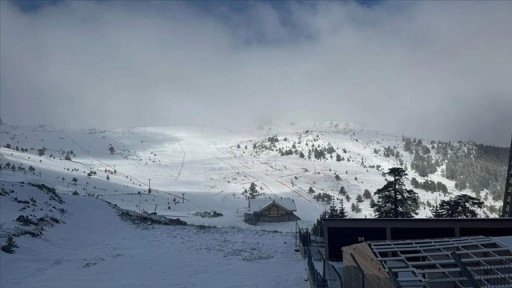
[430, 69]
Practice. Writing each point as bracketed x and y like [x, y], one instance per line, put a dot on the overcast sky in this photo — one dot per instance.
[434, 69]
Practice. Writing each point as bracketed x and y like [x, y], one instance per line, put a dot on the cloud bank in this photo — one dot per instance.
[432, 69]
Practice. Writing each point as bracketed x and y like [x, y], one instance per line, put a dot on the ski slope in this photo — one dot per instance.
[95, 248]
[194, 169]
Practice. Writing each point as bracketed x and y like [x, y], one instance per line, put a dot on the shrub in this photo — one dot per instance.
[25, 220]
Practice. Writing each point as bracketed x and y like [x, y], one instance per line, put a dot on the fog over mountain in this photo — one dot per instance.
[438, 69]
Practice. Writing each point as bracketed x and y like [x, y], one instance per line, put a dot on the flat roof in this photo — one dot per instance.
[339, 233]
[413, 222]
[457, 261]
[502, 219]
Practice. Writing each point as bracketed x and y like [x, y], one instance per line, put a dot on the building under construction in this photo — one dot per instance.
[339, 233]
[436, 263]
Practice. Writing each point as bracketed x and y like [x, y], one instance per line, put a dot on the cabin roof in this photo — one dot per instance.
[257, 205]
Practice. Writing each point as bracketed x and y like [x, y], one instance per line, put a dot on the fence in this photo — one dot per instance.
[315, 278]
[321, 273]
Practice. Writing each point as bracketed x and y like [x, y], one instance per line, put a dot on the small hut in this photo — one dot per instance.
[270, 210]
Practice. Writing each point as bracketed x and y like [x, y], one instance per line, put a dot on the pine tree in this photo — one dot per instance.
[355, 208]
[10, 244]
[436, 211]
[367, 194]
[341, 212]
[311, 190]
[461, 206]
[333, 212]
[415, 183]
[337, 213]
[359, 198]
[343, 192]
[393, 200]
[318, 227]
[253, 191]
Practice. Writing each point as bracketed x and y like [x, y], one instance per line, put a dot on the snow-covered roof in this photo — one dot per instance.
[260, 203]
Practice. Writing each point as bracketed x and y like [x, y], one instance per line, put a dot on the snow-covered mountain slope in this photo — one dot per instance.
[89, 245]
[194, 169]
[54, 184]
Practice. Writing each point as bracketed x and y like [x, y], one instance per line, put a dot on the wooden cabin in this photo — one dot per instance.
[270, 210]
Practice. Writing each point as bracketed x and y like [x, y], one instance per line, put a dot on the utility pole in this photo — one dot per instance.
[296, 233]
[140, 198]
[183, 197]
[149, 189]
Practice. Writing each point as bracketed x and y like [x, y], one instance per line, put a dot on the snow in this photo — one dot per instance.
[95, 248]
[204, 165]
[189, 170]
